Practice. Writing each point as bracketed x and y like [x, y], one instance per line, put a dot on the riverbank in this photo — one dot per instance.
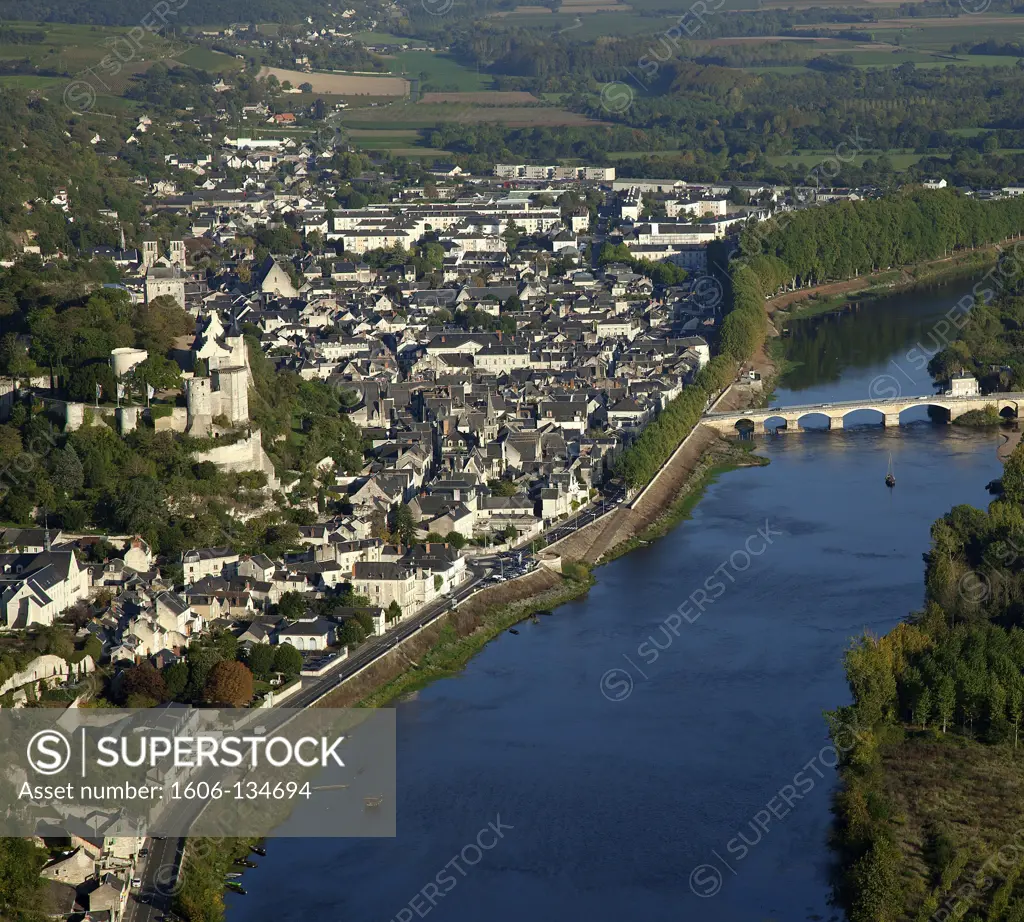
[205, 864]
[825, 298]
[455, 646]
[445, 647]
[442, 648]
[937, 703]
[1012, 440]
[716, 460]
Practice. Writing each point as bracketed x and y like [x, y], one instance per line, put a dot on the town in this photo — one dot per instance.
[493, 343]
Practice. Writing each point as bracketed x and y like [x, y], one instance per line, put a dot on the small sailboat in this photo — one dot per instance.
[890, 477]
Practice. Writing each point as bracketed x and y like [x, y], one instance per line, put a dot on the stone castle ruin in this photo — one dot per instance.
[225, 392]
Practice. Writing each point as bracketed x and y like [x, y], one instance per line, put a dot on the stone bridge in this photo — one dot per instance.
[790, 418]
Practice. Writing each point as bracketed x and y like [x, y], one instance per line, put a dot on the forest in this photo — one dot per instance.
[849, 239]
[927, 812]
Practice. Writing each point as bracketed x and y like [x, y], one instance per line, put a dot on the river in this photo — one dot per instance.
[627, 779]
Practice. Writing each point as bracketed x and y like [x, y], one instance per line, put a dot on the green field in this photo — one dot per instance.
[400, 142]
[73, 48]
[30, 82]
[440, 71]
[592, 25]
[384, 38]
[408, 115]
[204, 59]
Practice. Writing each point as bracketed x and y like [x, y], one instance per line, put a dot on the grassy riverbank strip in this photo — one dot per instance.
[713, 464]
[205, 865]
[887, 283]
[452, 651]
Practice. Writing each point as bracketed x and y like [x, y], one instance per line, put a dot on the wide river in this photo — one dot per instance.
[642, 780]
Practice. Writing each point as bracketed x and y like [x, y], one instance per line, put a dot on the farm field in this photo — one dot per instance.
[427, 115]
[486, 98]
[400, 142]
[440, 71]
[584, 7]
[385, 38]
[341, 84]
[71, 49]
[208, 60]
[620, 22]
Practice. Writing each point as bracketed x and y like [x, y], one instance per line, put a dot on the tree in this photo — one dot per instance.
[292, 606]
[138, 505]
[201, 659]
[923, 707]
[405, 526]
[379, 525]
[365, 620]
[945, 701]
[14, 360]
[351, 633]
[175, 679]
[93, 648]
[142, 683]
[261, 660]
[230, 684]
[68, 473]
[393, 612]
[287, 660]
[1013, 476]
[158, 371]
[512, 236]
[1015, 706]
[159, 323]
[455, 540]
[876, 877]
[20, 883]
[56, 641]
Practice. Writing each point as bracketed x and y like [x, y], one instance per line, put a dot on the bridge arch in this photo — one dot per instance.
[773, 423]
[863, 416]
[935, 412]
[1010, 409]
[813, 420]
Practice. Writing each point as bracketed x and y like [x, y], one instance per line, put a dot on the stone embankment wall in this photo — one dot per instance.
[464, 620]
[592, 542]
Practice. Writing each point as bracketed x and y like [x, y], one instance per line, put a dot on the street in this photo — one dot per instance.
[158, 870]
